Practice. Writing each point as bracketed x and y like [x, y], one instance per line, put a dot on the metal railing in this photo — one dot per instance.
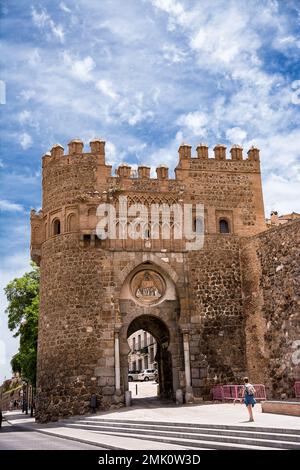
[235, 392]
[217, 392]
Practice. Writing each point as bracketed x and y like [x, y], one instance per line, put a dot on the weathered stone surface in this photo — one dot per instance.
[271, 304]
[236, 299]
[281, 407]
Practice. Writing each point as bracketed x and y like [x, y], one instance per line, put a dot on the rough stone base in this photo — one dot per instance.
[281, 407]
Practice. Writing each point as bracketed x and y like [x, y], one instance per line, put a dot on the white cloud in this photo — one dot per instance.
[58, 31]
[1, 163]
[170, 6]
[43, 21]
[111, 153]
[24, 116]
[132, 109]
[236, 135]
[137, 115]
[167, 155]
[225, 40]
[41, 18]
[194, 122]
[279, 152]
[34, 57]
[106, 87]
[7, 206]
[27, 95]
[2, 353]
[175, 10]
[64, 7]
[212, 77]
[80, 69]
[173, 53]
[281, 194]
[25, 140]
[137, 147]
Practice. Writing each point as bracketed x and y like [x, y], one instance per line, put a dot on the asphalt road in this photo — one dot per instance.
[15, 438]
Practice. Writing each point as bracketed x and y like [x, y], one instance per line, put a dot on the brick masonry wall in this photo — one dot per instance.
[271, 289]
[64, 179]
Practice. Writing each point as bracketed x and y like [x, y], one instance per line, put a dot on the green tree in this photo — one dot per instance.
[23, 310]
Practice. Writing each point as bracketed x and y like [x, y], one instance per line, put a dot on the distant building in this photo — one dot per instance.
[143, 348]
[276, 219]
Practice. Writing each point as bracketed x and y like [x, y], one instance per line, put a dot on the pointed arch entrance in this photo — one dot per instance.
[149, 301]
[159, 330]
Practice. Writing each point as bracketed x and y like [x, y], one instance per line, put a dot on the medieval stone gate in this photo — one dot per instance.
[217, 313]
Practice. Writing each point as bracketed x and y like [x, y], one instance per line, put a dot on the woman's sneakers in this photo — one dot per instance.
[251, 419]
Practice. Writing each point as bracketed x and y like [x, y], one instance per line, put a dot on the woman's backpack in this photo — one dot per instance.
[249, 389]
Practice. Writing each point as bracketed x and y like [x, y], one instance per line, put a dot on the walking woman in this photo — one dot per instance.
[248, 395]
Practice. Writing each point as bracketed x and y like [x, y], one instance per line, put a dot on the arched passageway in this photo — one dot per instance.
[149, 302]
[163, 358]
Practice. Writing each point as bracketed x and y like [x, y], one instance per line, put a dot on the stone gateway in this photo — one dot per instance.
[225, 310]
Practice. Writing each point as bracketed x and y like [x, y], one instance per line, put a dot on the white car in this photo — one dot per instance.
[147, 374]
[133, 375]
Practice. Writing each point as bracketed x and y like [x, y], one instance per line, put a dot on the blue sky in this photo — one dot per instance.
[144, 75]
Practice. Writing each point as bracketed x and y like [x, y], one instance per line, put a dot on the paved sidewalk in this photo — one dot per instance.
[61, 429]
[227, 414]
[221, 413]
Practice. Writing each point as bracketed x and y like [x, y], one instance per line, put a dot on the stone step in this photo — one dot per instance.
[190, 443]
[193, 430]
[103, 440]
[252, 427]
[194, 438]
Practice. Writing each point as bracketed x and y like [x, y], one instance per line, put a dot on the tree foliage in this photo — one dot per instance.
[23, 308]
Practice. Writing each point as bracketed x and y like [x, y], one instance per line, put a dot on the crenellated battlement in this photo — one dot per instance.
[221, 160]
[75, 182]
[75, 149]
[236, 153]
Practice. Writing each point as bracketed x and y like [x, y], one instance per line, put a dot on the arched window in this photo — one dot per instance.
[56, 227]
[92, 216]
[146, 231]
[224, 226]
[155, 232]
[71, 222]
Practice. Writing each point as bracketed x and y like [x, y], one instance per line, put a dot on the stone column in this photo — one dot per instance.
[187, 368]
[117, 362]
[118, 397]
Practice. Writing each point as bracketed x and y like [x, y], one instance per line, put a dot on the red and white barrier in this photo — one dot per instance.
[217, 392]
[297, 389]
[235, 392]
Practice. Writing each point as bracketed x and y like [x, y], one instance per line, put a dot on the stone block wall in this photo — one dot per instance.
[76, 327]
[271, 289]
[217, 345]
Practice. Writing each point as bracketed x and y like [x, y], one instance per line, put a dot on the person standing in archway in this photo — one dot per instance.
[248, 395]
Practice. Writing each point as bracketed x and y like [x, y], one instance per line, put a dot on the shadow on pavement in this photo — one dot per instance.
[15, 428]
[15, 416]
